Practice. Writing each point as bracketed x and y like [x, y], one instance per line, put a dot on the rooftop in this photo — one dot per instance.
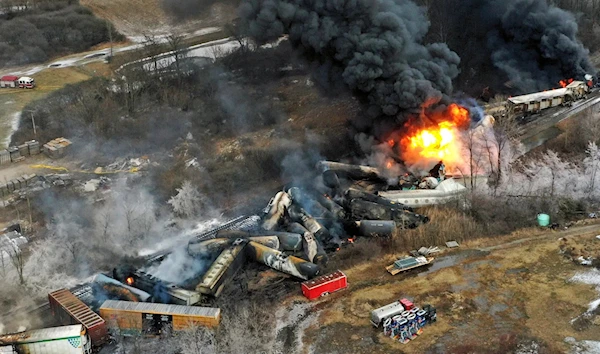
[148, 307]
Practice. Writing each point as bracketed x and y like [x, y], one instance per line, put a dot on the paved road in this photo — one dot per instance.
[91, 56]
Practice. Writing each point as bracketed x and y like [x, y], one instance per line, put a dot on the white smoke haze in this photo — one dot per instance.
[82, 239]
[178, 267]
[182, 237]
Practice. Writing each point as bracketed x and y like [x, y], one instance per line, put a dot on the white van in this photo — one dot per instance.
[26, 82]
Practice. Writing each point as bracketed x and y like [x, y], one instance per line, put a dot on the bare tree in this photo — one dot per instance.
[591, 164]
[18, 260]
[177, 47]
[152, 49]
[188, 201]
[197, 340]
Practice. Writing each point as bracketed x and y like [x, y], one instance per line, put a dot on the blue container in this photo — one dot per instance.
[543, 220]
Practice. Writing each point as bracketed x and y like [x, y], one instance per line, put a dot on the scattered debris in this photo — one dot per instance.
[451, 244]
[424, 251]
[10, 244]
[407, 263]
[56, 148]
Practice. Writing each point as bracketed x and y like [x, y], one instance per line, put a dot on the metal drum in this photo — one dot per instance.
[387, 327]
[412, 325]
[415, 310]
[395, 325]
[405, 314]
[403, 331]
[421, 318]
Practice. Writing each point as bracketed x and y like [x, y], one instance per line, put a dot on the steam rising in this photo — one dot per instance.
[375, 47]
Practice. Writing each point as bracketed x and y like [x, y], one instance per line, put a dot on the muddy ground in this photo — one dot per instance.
[492, 296]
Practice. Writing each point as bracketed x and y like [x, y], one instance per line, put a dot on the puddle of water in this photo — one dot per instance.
[495, 308]
[451, 260]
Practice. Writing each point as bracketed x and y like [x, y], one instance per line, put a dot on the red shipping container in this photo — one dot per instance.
[325, 284]
[70, 310]
[407, 304]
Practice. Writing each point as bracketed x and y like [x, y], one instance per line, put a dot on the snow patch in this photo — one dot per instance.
[299, 317]
[15, 119]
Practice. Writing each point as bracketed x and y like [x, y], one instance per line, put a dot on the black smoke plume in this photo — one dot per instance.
[375, 46]
[529, 43]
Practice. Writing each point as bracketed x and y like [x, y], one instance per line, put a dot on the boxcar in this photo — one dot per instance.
[134, 318]
[70, 310]
[55, 340]
[324, 285]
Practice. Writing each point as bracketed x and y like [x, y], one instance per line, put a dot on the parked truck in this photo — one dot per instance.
[56, 340]
[70, 310]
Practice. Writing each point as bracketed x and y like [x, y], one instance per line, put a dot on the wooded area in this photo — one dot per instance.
[36, 31]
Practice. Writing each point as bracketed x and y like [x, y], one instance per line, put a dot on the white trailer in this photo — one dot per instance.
[55, 340]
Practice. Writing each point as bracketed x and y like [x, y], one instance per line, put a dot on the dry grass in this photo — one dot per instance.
[136, 17]
[447, 224]
[535, 301]
[14, 100]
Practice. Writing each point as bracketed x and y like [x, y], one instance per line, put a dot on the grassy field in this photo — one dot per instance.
[488, 300]
[12, 101]
[138, 17]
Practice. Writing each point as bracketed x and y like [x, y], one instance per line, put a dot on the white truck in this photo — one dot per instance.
[55, 340]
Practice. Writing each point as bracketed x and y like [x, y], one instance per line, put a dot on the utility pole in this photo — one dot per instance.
[110, 38]
[33, 123]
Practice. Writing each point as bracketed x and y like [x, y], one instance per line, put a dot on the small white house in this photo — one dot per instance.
[8, 81]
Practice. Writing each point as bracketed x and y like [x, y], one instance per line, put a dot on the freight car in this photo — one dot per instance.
[56, 340]
[135, 318]
[521, 106]
[224, 267]
[324, 285]
[70, 310]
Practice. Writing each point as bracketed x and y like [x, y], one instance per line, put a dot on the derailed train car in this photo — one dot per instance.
[521, 106]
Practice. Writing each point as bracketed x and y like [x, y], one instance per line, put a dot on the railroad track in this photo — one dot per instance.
[233, 224]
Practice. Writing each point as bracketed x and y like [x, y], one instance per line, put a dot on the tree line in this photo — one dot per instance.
[36, 31]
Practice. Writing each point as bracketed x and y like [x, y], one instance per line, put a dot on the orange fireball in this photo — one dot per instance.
[437, 140]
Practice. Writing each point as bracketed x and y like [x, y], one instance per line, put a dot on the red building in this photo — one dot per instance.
[8, 81]
[324, 285]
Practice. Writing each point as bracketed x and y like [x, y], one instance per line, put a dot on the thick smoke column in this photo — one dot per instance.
[532, 42]
[374, 46]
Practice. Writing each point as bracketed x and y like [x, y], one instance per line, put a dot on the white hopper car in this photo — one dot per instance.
[520, 106]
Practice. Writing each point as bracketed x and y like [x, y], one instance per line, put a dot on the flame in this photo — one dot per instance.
[564, 83]
[437, 140]
[389, 164]
[351, 240]
[129, 280]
